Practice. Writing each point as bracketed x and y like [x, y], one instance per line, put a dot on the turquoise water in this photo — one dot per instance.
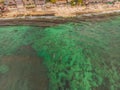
[78, 56]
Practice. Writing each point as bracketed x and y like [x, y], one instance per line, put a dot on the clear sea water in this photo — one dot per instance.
[71, 56]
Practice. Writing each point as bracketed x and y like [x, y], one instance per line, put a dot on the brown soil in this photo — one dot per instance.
[26, 71]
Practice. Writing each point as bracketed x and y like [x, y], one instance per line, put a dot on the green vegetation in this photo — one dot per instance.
[78, 2]
[4, 68]
[53, 1]
[79, 56]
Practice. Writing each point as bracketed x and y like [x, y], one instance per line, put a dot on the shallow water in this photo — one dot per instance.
[72, 56]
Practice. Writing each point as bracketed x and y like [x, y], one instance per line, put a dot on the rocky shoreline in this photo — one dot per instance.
[46, 21]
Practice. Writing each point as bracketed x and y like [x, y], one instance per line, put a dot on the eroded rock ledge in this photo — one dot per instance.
[46, 21]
